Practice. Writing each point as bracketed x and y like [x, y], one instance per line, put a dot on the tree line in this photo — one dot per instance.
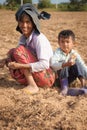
[72, 5]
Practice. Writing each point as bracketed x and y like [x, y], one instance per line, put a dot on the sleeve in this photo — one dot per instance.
[56, 61]
[81, 61]
[44, 53]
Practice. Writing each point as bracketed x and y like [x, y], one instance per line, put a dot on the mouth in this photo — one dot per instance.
[24, 30]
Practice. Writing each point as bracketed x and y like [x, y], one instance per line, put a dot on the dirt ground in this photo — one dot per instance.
[46, 110]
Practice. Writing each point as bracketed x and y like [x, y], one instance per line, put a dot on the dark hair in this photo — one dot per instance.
[25, 14]
[21, 17]
[66, 34]
[35, 15]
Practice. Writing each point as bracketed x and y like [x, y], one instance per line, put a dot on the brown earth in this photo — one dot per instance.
[46, 110]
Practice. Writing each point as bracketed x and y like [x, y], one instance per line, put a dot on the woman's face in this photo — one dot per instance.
[26, 25]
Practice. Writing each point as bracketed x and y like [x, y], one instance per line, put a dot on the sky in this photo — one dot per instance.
[36, 1]
[59, 1]
[52, 1]
[2, 1]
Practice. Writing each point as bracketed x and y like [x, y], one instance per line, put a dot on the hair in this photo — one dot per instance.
[25, 14]
[66, 34]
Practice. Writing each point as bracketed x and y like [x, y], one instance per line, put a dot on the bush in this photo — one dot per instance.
[44, 4]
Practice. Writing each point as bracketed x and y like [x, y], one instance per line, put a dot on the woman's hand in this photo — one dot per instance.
[2, 63]
[15, 65]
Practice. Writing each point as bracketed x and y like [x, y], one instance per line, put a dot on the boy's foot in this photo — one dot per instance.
[84, 89]
[75, 92]
[64, 91]
[64, 86]
[31, 90]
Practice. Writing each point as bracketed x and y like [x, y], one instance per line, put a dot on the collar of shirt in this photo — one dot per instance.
[29, 39]
[67, 56]
[65, 53]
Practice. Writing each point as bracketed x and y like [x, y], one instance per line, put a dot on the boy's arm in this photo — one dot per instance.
[67, 64]
[81, 61]
[56, 61]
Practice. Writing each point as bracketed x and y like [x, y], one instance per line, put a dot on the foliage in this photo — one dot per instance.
[78, 1]
[14, 4]
[77, 5]
[0, 6]
[73, 5]
[44, 4]
[63, 7]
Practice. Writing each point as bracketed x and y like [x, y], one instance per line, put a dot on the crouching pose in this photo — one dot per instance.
[68, 64]
[29, 62]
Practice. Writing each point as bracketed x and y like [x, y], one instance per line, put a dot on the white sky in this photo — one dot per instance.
[52, 1]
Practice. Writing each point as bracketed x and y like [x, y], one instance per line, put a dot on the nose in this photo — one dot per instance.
[65, 43]
[24, 24]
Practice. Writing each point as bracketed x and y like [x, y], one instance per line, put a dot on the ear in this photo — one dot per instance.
[59, 42]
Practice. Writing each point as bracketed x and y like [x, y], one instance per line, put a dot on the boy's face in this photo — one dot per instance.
[26, 25]
[66, 44]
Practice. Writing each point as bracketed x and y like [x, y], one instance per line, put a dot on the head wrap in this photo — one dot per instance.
[35, 15]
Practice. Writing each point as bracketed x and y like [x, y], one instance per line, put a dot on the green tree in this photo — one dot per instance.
[78, 2]
[77, 5]
[44, 4]
[13, 4]
[18, 1]
[27, 1]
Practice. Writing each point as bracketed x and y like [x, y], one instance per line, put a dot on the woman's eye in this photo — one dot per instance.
[28, 22]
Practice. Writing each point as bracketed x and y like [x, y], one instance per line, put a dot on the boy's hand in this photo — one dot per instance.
[67, 64]
[70, 62]
[72, 59]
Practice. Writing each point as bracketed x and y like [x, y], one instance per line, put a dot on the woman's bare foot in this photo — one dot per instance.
[31, 89]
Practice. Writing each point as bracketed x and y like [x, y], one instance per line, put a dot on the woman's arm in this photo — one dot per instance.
[15, 65]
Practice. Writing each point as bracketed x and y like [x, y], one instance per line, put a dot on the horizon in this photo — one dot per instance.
[36, 1]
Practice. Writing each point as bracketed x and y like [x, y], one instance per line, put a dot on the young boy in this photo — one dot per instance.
[68, 64]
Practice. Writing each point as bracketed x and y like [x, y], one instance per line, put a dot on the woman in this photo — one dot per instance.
[29, 61]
